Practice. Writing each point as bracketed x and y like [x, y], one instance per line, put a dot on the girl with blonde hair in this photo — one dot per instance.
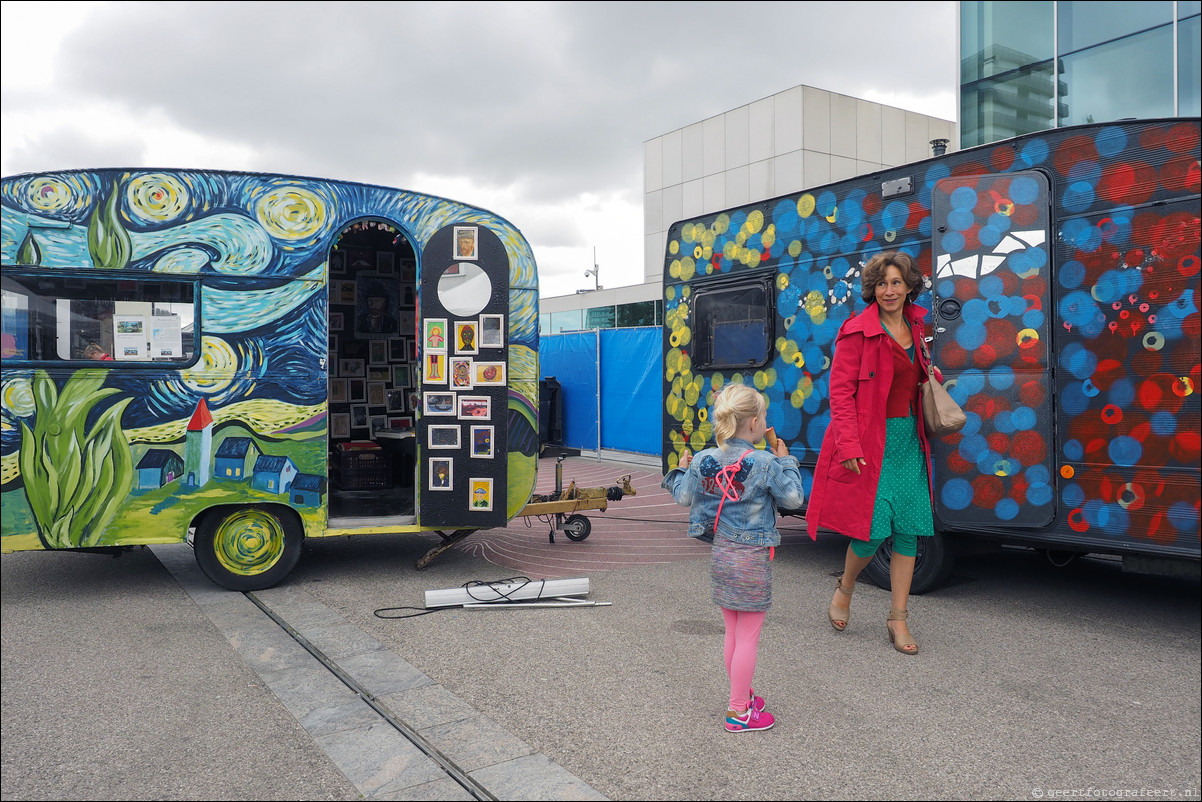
[733, 492]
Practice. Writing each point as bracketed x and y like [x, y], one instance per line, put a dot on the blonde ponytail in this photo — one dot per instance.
[733, 406]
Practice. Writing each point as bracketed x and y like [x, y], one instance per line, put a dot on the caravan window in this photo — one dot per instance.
[732, 325]
[57, 319]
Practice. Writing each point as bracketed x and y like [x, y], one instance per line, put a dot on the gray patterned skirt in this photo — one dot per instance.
[741, 576]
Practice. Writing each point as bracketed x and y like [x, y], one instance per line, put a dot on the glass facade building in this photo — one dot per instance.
[1037, 64]
[641, 313]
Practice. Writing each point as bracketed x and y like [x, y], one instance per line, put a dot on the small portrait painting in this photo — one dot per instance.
[492, 331]
[466, 245]
[340, 425]
[402, 375]
[441, 473]
[480, 494]
[434, 335]
[465, 337]
[376, 307]
[338, 391]
[481, 442]
[377, 352]
[359, 418]
[438, 404]
[352, 367]
[475, 406]
[337, 263]
[443, 437]
[434, 369]
[398, 349]
[396, 400]
[376, 395]
[488, 373]
[461, 373]
[335, 322]
[356, 391]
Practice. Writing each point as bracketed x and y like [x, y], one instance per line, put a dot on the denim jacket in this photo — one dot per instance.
[763, 483]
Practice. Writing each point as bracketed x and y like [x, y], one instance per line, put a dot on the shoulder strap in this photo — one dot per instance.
[725, 479]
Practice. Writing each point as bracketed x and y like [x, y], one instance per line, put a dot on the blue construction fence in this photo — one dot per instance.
[611, 387]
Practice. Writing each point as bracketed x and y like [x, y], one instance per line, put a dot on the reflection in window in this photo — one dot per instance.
[1018, 103]
[1120, 79]
[1189, 65]
[599, 317]
[996, 37]
[1085, 23]
[54, 319]
[732, 326]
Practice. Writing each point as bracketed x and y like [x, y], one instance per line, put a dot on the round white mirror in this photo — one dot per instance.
[464, 289]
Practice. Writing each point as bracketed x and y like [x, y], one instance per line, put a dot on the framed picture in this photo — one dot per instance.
[338, 263]
[376, 307]
[400, 422]
[442, 473]
[376, 396]
[461, 372]
[398, 349]
[338, 391]
[340, 425]
[335, 321]
[434, 369]
[385, 262]
[402, 375]
[356, 391]
[359, 419]
[465, 337]
[434, 335]
[413, 349]
[352, 368]
[480, 494]
[466, 243]
[396, 401]
[359, 260]
[407, 321]
[442, 436]
[377, 352]
[342, 291]
[379, 373]
[438, 404]
[488, 373]
[481, 442]
[408, 268]
[475, 406]
[333, 342]
[492, 331]
[332, 361]
[378, 422]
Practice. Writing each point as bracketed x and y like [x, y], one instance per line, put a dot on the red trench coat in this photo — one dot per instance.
[861, 373]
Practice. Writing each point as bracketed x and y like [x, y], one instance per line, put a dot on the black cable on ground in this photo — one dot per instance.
[467, 586]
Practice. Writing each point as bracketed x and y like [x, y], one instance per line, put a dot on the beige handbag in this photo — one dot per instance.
[940, 414]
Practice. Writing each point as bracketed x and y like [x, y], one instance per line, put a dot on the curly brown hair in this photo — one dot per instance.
[874, 273]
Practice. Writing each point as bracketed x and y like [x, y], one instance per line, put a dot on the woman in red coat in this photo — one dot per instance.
[876, 432]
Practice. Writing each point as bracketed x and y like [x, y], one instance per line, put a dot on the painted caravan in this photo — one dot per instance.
[1063, 285]
[258, 359]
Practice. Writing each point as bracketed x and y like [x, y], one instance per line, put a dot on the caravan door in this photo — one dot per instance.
[991, 270]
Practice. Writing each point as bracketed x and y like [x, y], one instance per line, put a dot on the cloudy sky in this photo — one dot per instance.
[535, 111]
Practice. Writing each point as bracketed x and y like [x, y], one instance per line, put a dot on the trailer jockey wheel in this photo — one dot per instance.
[577, 527]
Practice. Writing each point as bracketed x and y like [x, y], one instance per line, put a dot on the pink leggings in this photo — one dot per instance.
[742, 641]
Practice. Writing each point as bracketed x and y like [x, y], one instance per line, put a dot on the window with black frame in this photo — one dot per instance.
[49, 318]
[733, 325]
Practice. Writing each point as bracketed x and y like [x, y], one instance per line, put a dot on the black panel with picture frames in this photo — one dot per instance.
[463, 373]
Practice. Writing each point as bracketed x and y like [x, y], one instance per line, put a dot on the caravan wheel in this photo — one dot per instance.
[248, 548]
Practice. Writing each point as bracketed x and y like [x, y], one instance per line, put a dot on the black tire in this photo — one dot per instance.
[932, 566]
[577, 527]
[248, 548]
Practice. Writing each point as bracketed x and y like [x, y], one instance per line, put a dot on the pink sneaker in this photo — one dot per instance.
[757, 703]
[751, 719]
